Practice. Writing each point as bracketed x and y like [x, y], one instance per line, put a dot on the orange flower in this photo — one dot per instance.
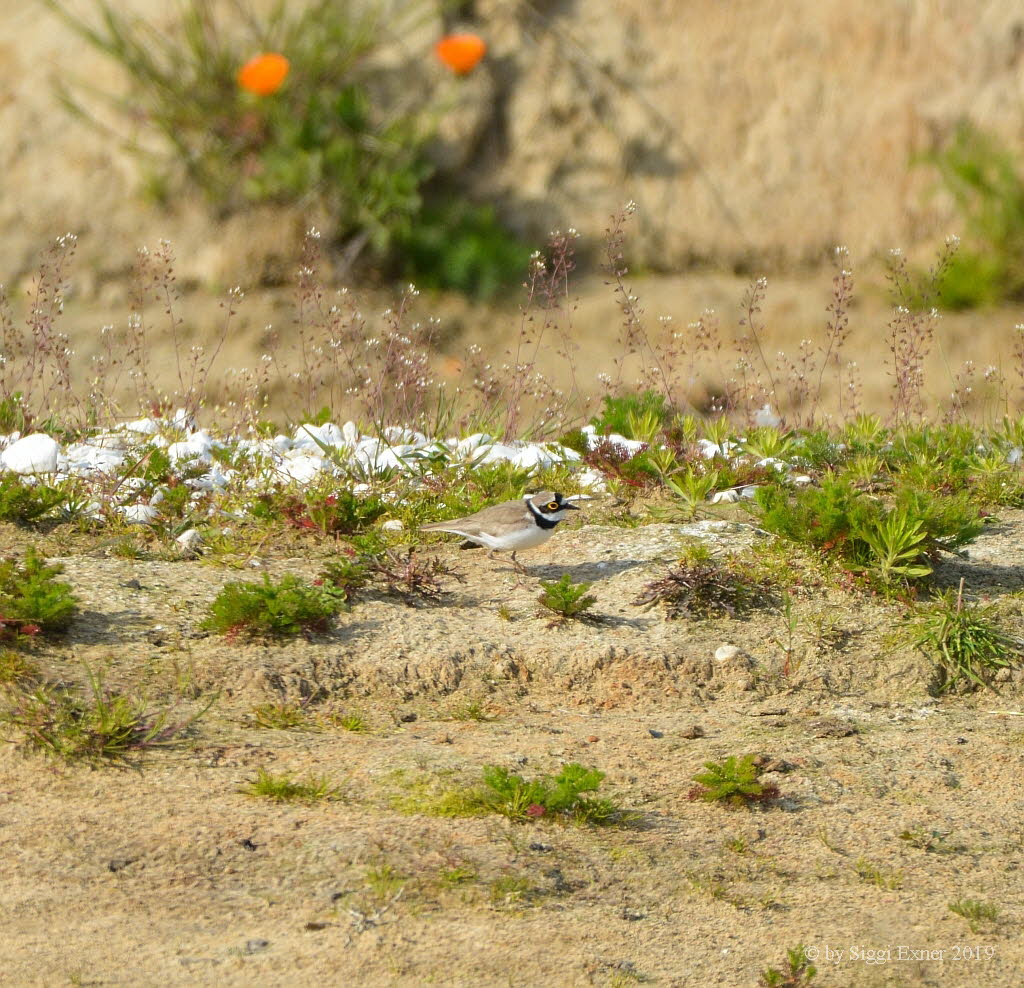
[461, 52]
[264, 74]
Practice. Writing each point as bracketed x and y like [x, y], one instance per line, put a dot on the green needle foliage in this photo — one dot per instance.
[967, 645]
[31, 599]
[23, 503]
[732, 782]
[283, 607]
[565, 598]
[566, 797]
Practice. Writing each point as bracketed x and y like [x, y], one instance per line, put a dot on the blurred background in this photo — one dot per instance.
[441, 144]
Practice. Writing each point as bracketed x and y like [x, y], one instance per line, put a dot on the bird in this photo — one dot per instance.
[521, 524]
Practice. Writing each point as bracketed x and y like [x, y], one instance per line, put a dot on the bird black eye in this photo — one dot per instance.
[553, 505]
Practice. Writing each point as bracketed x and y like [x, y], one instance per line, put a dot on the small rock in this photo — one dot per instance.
[189, 542]
[692, 732]
[139, 514]
[732, 653]
[540, 848]
[36, 453]
[593, 739]
[255, 945]
[632, 915]
[393, 525]
[725, 497]
[407, 718]
[655, 734]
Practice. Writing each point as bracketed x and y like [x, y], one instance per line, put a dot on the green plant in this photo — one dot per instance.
[459, 245]
[565, 598]
[930, 841]
[890, 543]
[967, 645]
[985, 179]
[23, 503]
[897, 541]
[471, 710]
[564, 797]
[281, 716]
[31, 600]
[15, 668]
[883, 878]
[976, 912]
[335, 513]
[285, 607]
[693, 489]
[355, 723]
[341, 131]
[284, 789]
[766, 442]
[798, 971]
[384, 880]
[620, 413]
[95, 724]
[699, 586]
[347, 575]
[733, 782]
[556, 796]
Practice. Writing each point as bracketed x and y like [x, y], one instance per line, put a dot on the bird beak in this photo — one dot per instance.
[570, 506]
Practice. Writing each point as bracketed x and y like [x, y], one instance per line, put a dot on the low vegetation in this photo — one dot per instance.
[91, 723]
[732, 782]
[567, 797]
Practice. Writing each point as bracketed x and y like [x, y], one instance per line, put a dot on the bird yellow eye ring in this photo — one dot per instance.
[552, 506]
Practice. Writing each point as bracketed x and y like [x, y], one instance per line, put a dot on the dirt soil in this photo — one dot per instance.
[164, 873]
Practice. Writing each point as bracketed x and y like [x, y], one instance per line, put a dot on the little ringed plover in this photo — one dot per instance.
[515, 525]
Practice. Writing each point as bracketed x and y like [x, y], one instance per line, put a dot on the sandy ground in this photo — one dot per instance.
[164, 873]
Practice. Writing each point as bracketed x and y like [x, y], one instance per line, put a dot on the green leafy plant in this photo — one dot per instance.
[93, 724]
[332, 513]
[890, 543]
[566, 599]
[732, 782]
[965, 642]
[285, 789]
[31, 599]
[798, 971]
[897, 542]
[693, 488]
[347, 575]
[283, 607]
[620, 413]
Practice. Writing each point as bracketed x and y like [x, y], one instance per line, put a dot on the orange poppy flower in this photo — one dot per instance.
[264, 74]
[461, 52]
